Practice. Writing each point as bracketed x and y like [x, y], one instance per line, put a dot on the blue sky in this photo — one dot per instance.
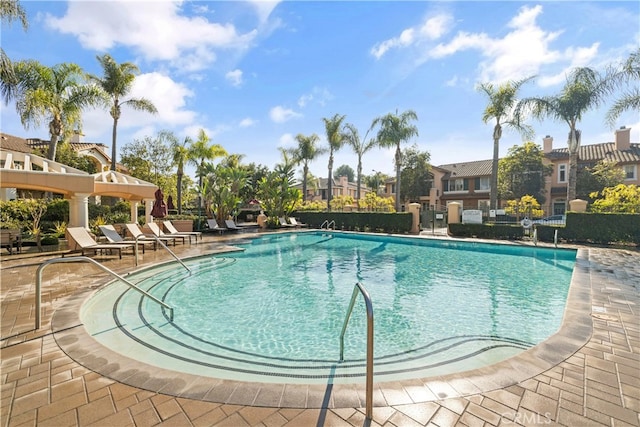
[255, 74]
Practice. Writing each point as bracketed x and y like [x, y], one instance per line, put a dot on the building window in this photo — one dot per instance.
[562, 172]
[485, 184]
[629, 172]
[483, 205]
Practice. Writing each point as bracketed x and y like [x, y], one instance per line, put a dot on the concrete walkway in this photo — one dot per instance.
[599, 384]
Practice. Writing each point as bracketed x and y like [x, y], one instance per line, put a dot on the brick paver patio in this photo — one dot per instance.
[599, 384]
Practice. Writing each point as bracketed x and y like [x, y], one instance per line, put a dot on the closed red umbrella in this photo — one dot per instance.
[159, 208]
[170, 203]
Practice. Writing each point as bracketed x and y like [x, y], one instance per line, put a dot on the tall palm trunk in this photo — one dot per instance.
[574, 148]
[179, 191]
[359, 180]
[113, 144]
[330, 182]
[55, 130]
[398, 166]
[305, 172]
[497, 134]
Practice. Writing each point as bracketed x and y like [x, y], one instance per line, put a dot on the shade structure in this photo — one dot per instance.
[159, 207]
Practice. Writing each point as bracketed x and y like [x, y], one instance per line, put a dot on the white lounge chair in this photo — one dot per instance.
[112, 236]
[84, 242]
[135, 231]
[171, 231]
[284, 223]
[155, 229]
[293, 221]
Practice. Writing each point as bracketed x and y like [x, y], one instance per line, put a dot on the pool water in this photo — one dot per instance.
[274, 312]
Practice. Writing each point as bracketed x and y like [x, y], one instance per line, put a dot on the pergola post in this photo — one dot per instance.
[79, 210]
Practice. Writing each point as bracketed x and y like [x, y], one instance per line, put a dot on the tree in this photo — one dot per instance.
[395, 129]
[151, 159]
[10, 10]
[584, 89]
[344, 170]
[200, 151]
[605, 173]
[180, 158]
[304, 153]
[116, 82]
[522, 172]
[222, 190]
[56, 94]
[359, 147]
[502, 100]
[276, 193]
[621, 199]
[70, 157]
[374, 181]
[416, 173]
[336, 139]
[629, 100]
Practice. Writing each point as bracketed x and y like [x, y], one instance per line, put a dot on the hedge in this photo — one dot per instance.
[385, 222]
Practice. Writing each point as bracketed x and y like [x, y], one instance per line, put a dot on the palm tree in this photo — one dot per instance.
[200, 151]
[630, 100]
[180, 157]
[10, 10]
[304, 153]
[336, 138]
[395, 129]
[56, 94]
[117, 82]
[584, 89]
[502, 101]
[359, 147]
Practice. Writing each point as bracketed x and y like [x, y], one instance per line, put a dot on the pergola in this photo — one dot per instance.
[30, 172]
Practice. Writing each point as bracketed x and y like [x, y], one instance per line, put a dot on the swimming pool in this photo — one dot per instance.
[274, 312]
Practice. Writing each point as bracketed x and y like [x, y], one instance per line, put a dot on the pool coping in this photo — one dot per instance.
[574, 332]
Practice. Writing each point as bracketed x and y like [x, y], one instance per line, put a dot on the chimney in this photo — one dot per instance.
[75, 138]
[547, 144]
[623, 138]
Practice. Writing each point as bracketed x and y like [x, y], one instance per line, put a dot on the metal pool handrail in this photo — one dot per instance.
[326, 221]
[87, 259]
[143, 236]
[367, 300]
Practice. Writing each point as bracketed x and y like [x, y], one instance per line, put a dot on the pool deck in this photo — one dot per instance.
[589, 375]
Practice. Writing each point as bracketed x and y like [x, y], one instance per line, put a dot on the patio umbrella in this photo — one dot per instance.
[170, 203]
[159, 208]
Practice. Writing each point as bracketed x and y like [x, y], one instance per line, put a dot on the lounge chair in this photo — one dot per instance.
[293, 221]
[155, 229]
[284, 223]
[10, 238]
[84, 242]
[213, 226]
[112, 236]
[232, 225]
[135, 231]
[171, 231]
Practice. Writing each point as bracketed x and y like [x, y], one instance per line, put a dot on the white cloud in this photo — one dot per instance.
[156, 30]
[247, 122]
[520, 53]
[318, 94]
[287, 140]
[280, 114]
[264, 8]
[432, 29]
[234, 77]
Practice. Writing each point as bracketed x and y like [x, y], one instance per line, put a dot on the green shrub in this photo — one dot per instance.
[49, 239]
[487, 231]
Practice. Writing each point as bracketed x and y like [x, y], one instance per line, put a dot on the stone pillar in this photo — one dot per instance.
[148, 207]
[134, 211]
[578, 205]
[453, 210]
[414, 209]
[79, 210]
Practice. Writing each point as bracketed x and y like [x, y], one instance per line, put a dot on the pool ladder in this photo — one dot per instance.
[328, 224]
[367, 301]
